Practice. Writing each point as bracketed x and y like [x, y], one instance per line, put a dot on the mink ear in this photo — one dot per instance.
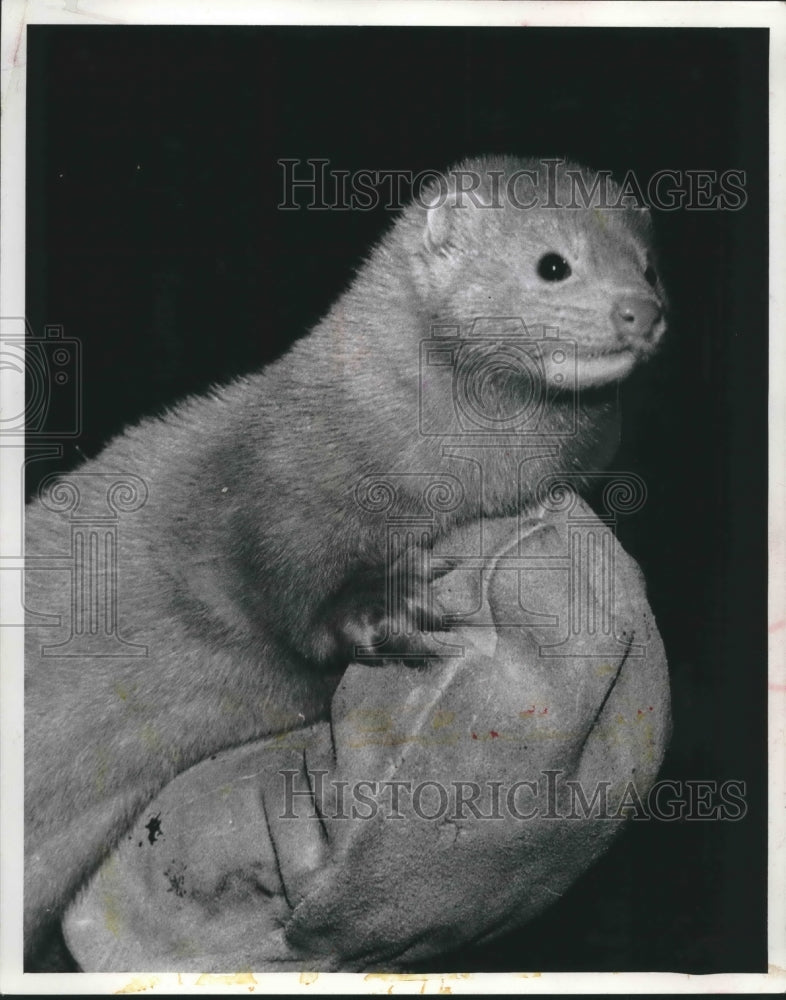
[441, 214]
[439, 221]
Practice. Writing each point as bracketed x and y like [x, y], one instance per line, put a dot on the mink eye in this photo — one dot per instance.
[651, 275]
[552, 267]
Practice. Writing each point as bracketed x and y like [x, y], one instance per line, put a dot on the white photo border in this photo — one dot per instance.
[16, 16]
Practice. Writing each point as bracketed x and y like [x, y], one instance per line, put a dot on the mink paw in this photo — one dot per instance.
[399, 627]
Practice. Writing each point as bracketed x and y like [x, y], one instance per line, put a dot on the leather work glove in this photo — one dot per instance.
[439, 806]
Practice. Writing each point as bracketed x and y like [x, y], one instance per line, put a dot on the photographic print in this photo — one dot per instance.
[393, 465]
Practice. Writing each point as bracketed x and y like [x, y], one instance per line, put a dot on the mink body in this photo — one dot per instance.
[251, 571]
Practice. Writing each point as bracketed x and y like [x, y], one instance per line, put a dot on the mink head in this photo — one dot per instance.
[540, 250]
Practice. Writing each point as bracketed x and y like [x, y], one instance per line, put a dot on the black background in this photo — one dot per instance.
[155, 240]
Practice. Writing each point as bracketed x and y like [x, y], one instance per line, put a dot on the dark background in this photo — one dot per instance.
[154, 239]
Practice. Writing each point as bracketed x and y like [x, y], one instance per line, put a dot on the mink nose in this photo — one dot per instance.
[635, 317]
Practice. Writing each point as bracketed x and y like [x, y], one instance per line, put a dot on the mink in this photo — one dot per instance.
[253, 571]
